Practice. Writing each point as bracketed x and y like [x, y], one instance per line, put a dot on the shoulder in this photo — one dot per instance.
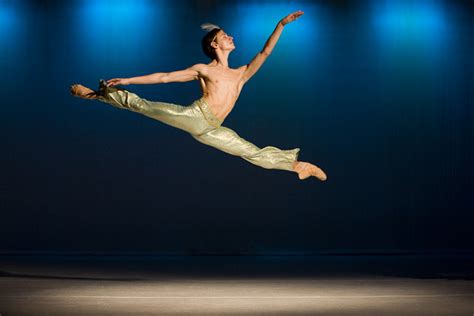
[242, 68]
[200, 68]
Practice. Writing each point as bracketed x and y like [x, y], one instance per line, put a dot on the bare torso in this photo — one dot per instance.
[221, 88]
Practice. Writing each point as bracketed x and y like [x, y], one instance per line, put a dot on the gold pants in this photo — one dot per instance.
[198, 120]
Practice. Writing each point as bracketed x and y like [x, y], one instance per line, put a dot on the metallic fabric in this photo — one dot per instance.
[198, 120]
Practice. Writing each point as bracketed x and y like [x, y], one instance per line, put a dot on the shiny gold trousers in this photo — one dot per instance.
[198, 120]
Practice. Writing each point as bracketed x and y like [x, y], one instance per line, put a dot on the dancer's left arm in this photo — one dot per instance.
[259, 59]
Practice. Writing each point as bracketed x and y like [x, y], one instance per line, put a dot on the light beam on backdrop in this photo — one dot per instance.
[411, 27]
[19, 38]
[118, 31]
[11, 18]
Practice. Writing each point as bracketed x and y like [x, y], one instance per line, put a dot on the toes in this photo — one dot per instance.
[73, 89]
[320, 175]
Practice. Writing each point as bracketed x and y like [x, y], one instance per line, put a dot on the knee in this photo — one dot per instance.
[134, 102]
[126, 100]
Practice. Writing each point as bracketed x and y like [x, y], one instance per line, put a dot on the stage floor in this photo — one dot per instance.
[237, 285]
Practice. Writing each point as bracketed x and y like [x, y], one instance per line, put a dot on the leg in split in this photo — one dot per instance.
[268, 157]
[187, 118]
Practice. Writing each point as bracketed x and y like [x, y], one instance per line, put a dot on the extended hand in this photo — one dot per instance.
[291, 17]
[117, 81]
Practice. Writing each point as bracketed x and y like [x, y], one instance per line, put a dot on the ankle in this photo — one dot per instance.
[295, 165]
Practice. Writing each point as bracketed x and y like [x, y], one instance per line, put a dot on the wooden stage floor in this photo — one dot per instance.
[237, 285]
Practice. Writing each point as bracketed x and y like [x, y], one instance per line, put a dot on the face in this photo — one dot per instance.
[224, 40]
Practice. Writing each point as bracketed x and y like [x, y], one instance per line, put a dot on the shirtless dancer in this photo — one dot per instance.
[221, 86]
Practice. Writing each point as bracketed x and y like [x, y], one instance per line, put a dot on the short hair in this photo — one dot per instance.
[206, 43]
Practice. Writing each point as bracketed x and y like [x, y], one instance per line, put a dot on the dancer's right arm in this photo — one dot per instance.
[191, 73]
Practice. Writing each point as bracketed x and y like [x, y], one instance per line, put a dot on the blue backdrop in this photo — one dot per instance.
[380, 94]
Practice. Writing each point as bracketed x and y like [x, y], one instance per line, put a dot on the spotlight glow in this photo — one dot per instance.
[118, 29]
[410, 24]
[9, 22]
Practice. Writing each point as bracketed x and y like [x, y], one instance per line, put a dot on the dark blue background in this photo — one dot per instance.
[380, 94]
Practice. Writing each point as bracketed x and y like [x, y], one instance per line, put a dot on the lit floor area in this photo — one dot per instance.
[237, 285]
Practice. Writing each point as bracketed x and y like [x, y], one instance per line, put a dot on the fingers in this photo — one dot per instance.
[298, 14]
[113, 82]
[293, 16]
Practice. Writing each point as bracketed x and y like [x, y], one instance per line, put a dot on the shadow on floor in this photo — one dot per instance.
[6, 274]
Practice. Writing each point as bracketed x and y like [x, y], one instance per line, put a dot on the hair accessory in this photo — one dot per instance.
[209, 27]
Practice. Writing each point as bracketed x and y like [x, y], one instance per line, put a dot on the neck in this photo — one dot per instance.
[222, 59]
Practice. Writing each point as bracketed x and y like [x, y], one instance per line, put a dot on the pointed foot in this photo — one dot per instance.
[306, 170]
[83, 92]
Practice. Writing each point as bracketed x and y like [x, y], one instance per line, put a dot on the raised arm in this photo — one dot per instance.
[188, 74]
[260, 58]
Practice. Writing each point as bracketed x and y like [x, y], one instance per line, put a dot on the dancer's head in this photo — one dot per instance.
[216, 39]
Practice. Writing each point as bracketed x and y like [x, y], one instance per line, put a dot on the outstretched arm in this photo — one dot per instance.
[188, 74]
[260, 58]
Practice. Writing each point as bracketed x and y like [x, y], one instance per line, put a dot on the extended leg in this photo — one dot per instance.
[117, 97]
[268, 157]
[187, 118]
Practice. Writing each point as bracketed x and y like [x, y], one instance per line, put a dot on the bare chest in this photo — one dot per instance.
[221, 88]
[220, 81]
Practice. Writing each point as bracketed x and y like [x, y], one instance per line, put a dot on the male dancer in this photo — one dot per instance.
[221, 86]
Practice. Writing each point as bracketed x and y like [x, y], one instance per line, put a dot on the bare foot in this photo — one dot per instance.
[306, 169]
[80, 91]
